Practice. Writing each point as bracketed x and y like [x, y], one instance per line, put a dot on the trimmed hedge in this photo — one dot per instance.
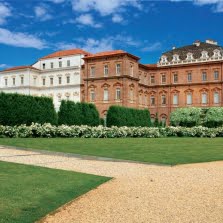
[122, 116]
[72, 113]
[16, 109]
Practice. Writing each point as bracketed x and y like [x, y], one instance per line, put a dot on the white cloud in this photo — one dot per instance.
[152, 47]
[57, 1]
[117, 18]
[5, 12]
[3, 66]
[19, 39]
[87, 20]
[41, 13]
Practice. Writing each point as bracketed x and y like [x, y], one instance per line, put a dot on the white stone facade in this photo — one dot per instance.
[57, 77]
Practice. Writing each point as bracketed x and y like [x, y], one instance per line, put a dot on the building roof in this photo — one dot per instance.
[110, 53]
[195, 49]
[63, 53]
[19, 68]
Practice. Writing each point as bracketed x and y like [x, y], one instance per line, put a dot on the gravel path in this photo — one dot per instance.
[139, 193]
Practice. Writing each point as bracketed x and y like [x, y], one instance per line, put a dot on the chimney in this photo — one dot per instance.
[213, 42]
[197, 43]
[173, 48]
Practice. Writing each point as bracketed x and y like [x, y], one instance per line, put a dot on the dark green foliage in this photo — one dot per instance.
[156, 122]
[72, 113]
[122, 116]
[102, 121]
[16, 109]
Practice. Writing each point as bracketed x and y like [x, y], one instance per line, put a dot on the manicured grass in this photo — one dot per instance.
[28, 193]
[161, 150]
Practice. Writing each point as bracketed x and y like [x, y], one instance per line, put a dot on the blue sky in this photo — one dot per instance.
[30, 29]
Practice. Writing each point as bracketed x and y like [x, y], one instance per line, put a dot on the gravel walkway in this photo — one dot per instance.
[139, 193]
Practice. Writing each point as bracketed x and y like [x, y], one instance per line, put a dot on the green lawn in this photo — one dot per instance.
[28, 193]
[161, 150]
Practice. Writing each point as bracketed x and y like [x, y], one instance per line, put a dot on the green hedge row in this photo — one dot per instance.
[72, 113]
[189, 117]
[122, 116]
[16, 109]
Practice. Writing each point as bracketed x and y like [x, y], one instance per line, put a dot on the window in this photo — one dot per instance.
[59, 98]
[189, 98]
[163, 78]
[175, 99]
[204, 98]
[92, 95]
[152, 79]
[145, 99]
[60, 63]
[152, 100]
[68, 97]
[68, 63]
[22, 80]
[60, 80]
[51, 81]
[131, 95]
[68, 79]
[175, 78]
[204, 54]
[140, 99]
[44, 81]
[204, 76]
[44, 66]
[131, 70]
[118, 69]
[163, 100]
[106, 70]
[34, 81]
[189, 56]
[6, 82]
[189, 77]
[216, 75]
[216, 54]
[118, 94]
[92, 71]
[51, 65]
[13, 80]
[216, 98]
[175, 58]
[105, 94]
[164, 59]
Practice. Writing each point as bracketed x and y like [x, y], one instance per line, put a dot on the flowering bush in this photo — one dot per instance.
[49, 131]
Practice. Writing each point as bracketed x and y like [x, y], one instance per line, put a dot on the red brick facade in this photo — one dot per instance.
[117, 78]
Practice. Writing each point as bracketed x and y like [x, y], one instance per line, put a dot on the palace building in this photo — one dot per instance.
[189, 76]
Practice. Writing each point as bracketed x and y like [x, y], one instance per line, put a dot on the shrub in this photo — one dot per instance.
[72, 113]
[122, 116]
[214, 117]
[187, 117]
[16, 109]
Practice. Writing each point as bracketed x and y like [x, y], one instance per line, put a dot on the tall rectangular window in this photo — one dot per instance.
[204, 76]
[51, 81]
[92, 95]
[60, 80]
[163, 78]
[131, 70]
[13, 80]
[105, 94]
[92, 71]
[189, 77]
[175, 99]
[44, 81]
[118, 94]
[60, 64]
[163, 100]
[175, 78]
[68, 63]
[68, 79]
[189, 98]
[152, 100]
[216, 75]
[216, 98]
[106, 70]
[44, 66]
[34, 81]
[6, 82]
[145, 99]
[204, 98]
[22, 80]
[118, 69]
[131, 95]
[152, 79]
[51, 65]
